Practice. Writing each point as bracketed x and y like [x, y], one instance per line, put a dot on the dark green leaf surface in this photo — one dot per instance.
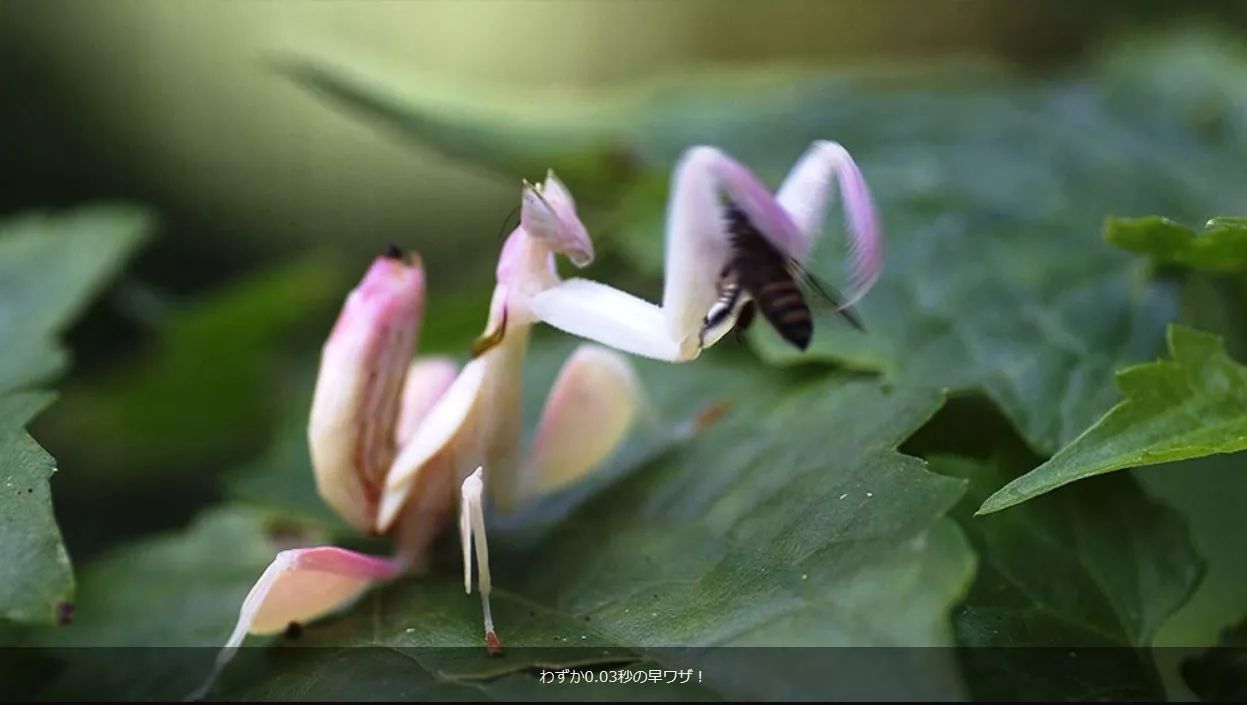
[37, 578]
[800, 527]
[1221, 247]
[1218, 674]
[1104, 567]
[1022, 301]
[782, 535]
[1210, 493]
[1192, 405]
[280, 479]
[50, 264]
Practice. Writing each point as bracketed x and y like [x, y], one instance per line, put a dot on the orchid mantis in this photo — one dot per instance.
[392, 438]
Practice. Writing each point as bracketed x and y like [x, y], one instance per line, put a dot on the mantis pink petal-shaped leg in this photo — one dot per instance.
[587, 414]
[300, 585]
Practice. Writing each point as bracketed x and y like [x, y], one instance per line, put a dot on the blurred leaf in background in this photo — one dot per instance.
[1221, 247]
[157, 429]
[51, 264]
[1219, 673]
[213, 379]
[242, 163]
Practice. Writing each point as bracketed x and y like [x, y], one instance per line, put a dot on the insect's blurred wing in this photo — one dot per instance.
[824, 292]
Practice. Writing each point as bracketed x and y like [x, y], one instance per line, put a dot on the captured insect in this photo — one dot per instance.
[760, 279]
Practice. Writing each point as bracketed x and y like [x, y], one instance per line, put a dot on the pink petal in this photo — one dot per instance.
[356, 402]
[305, 583]
[299, 586]
[586, 416]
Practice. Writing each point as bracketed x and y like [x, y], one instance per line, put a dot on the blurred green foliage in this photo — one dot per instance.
[49, 265]
[212, 381]
[793, 519]
[1221, 247]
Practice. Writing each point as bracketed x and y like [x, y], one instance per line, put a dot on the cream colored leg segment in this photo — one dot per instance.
[612, 317]
[472, 531]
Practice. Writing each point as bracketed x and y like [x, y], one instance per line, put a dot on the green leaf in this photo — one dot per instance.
[1192, 405]
[38, 577]
[1221, 247]
[129, 595]
[399, 674]
[1101, 567]
[50, 264]
[204, 392]
[995, 278]
[280, 479]
[761, 531]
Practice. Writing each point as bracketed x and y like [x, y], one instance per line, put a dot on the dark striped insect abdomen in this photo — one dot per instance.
[763, 272]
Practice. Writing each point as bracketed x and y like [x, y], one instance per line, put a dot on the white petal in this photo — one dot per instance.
[612, 317]
[427, 380]
[440, 426]
[589, 411]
